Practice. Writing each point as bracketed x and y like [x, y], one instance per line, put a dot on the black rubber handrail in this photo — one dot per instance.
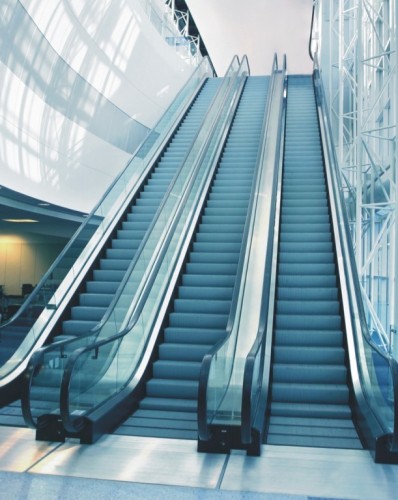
[354, 288]
[203, 424]
[254, 411]
[75, 424]
[92, 217]
[311, 31]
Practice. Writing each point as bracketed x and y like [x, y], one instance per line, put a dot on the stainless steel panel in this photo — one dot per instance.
[19, 450]
[143, 460]
[312, 471]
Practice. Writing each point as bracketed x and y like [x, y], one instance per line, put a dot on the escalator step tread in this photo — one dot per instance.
[300, 373]
[313, 430]
[169, 404]
[289, 338]
[193, 335]
[312, 410]
[166, 415]
[154, 421]
[314, 441]
[157, 432]
[342, 423]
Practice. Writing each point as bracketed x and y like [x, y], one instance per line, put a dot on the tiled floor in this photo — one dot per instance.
[128, 467]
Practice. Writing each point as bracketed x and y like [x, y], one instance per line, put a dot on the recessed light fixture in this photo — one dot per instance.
[43, 204]
[20, 220]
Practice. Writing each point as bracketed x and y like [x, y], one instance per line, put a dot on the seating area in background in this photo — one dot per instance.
[9, 304]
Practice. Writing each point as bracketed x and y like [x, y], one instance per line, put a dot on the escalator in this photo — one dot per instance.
[69, 379]
[310, 394]
[199, 312]
[104, 267]
[314, 376]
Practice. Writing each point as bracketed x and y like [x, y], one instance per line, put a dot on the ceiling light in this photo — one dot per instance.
[20, 220]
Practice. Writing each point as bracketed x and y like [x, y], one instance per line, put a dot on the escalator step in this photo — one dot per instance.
[85, 313]
[310, 393]
[169, 404]
[306, 258]
[193, 335]
[203, 293]
[314, 441]
[305, 354]
[314, 307]
[188, 370]
[315, 338]
[305, 294]
[301, 373]
[188, 320]
[322, 269]
[308, 321]
[172, 388]
[184, 352]
[202, 306]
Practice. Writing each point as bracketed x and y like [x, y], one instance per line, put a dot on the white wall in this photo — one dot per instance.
[114, 46]
[24, 259]
[45, 155]
[45, 151]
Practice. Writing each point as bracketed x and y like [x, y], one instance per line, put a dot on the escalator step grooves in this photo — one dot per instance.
[199, 314]
[309, 395]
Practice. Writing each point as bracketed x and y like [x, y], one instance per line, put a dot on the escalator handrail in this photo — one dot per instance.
[62, 344]
[71, 423]
[91, 216]
[203, 426]
[249, 411]
[354, 292]
[311, 32]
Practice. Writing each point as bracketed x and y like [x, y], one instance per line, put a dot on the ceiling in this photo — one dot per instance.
[51, 220]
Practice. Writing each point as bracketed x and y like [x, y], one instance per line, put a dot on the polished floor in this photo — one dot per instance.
[120, 467]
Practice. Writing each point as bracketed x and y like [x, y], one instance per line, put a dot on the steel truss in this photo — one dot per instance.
[356, 43]
[173, 25]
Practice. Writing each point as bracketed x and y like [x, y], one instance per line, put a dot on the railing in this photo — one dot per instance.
[42, 309]
[374, 373]
[219, 396]
[172, 25]
[258, 362]
[311, 37]
[97, 371]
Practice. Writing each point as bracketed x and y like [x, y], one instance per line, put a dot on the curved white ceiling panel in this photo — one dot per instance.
[82, 83]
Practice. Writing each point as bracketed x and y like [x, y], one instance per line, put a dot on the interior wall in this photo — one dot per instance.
[82, 83]
[24, 259]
